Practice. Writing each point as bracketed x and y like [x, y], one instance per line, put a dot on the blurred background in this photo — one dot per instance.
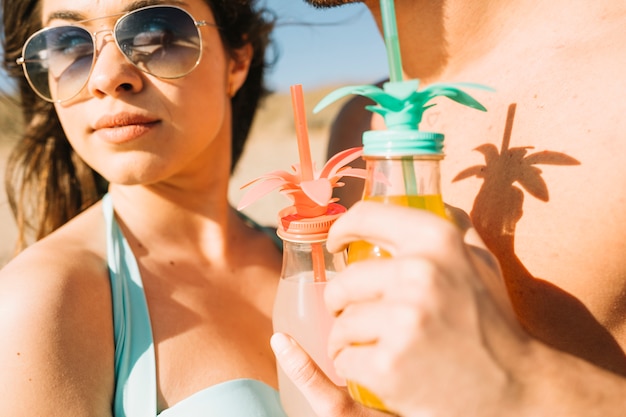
[320, 49]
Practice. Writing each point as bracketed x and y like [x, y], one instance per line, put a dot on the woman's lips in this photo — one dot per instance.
[123, 127]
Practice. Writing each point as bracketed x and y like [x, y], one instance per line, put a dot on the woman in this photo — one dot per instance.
[156, 298]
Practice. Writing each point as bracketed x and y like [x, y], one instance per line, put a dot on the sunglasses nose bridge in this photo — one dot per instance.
[101, 38]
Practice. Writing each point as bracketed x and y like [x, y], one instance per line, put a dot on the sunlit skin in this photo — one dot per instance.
[577, 233]
[209, 278]
[540, 174]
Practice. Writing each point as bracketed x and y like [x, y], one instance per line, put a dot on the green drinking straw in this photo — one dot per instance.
[402, 104]
[392, 44]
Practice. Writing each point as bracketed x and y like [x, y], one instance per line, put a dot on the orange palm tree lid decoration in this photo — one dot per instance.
[310, 190]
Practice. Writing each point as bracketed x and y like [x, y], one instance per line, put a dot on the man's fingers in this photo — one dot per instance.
[386, 225]
[401, 279]
[353, 288]
[357, 325]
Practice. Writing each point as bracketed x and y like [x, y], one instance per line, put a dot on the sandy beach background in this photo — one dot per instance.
[272, 145]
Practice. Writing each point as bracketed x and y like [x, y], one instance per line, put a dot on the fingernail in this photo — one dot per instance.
[280, 342]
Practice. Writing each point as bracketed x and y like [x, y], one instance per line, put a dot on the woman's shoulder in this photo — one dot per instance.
[78, 248]
[55, 304]
[69, 262]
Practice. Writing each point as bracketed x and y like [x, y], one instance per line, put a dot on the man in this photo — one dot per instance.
[542, 176]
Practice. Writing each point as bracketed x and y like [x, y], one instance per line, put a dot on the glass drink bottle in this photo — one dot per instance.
[299, 308]
[402, 169]
[402, 161]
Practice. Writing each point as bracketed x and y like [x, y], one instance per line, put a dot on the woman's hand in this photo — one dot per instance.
[326, 399]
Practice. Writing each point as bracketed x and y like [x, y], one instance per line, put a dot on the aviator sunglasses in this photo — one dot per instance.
[163, 41]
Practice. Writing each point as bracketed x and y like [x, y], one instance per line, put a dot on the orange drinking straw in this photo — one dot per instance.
[302, 133]
[306, 167]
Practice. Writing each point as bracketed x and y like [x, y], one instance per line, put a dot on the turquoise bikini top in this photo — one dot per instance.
[135, 369]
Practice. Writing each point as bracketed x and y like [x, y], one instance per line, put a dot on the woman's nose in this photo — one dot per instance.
[112, 73]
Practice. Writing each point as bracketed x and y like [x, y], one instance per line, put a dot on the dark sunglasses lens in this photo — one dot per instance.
[58, 61]
[162, 41]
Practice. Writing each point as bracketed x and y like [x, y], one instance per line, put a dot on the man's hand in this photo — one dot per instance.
[423, 329]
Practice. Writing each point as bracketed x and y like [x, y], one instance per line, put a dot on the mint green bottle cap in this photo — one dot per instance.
[402, 143]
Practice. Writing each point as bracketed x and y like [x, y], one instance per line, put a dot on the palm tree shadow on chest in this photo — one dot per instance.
[545, 310]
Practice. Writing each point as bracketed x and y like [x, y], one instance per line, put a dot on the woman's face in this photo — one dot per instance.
[136, 128]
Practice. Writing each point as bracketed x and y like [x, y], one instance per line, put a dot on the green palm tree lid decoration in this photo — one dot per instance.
[401, 103]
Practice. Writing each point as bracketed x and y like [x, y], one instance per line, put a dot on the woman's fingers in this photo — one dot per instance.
[300, 368]
[325, 398]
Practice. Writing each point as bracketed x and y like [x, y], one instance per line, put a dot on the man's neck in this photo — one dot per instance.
[443, 37]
